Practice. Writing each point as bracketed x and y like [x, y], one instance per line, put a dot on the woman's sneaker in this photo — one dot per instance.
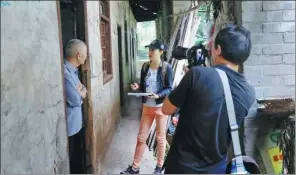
[157, 170]
[131, 170]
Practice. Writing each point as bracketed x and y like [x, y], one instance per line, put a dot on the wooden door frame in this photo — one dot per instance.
[88, 108]
[89, 119]
[121, 67]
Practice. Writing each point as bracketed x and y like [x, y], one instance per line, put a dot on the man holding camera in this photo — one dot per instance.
[202, 136]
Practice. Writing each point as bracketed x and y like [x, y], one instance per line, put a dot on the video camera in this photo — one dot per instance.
[196, 55]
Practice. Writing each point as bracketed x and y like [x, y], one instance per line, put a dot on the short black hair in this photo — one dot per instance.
[235, 43]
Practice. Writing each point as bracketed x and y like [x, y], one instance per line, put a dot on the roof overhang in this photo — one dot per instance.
[145, 10]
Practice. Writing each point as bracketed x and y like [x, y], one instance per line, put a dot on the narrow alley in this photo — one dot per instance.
[121, 151]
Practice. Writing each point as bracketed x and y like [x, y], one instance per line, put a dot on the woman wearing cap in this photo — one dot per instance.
[157, 79]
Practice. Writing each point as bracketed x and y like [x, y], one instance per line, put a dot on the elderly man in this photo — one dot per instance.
[76, 54]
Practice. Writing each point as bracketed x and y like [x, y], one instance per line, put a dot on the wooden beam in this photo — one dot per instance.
[181, 63]
[173, 38]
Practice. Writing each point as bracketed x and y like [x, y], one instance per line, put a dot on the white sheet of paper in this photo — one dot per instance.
[139, 94]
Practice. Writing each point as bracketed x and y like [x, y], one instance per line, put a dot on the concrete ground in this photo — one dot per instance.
[122, 148]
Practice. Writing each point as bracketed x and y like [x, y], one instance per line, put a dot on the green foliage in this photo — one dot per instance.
[142, 54]
[203, 13]
[146, 32]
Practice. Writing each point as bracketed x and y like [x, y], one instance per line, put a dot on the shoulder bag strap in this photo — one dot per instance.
[232, 121]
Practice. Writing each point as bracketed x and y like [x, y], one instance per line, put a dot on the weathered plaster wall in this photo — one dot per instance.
[33, 127]
[106, 98]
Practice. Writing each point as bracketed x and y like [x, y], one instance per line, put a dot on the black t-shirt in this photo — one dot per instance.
[202, 136]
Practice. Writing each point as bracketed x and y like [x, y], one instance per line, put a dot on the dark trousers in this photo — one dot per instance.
[77, 153]
[175, 167]
[217, 169]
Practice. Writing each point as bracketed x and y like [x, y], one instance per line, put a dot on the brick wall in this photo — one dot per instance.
[271, 66]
